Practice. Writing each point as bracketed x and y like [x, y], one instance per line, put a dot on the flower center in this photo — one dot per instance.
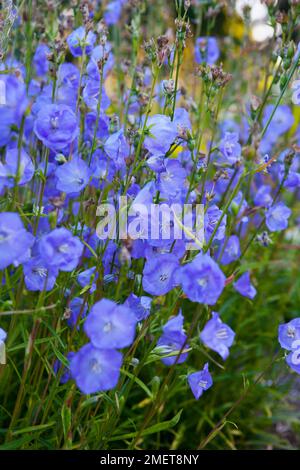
[42, 272]
[163, 277]
[107, 327]
[95, 366]
[222, 334]
[63, 248]
[54, 122]
[202, 383]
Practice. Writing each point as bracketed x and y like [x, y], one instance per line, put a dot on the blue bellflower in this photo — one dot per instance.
[161, 134]
[38, 276]
[244, 287]
[60, 249]
[200, 381]
[172, 340]
[14, 239]
[206, 50]
[289, 339]
[110, 325]
[159, 274]
[202, 280]
[56, 126]
[79, 41]
[72, 176]
[95, 370]
[277, 217]
[217, 336]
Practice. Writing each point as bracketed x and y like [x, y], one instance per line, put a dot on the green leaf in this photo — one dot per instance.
[165, 425]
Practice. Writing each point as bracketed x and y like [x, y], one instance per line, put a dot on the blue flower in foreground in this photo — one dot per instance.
[95, 370]
[277, 217]
[200, 381]
[159, 274]
[110, 325]
[217, 336]
[140, 306]
[172, 340]
[60, 249]
[14, 239]
[206, 50]
[161, 134]
[244, 287]
[72, 176]
[56, 126]
[202, 280]
[289, 338]
[80, 41]
[38, 276]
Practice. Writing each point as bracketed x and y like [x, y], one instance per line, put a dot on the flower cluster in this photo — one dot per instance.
[71, 142]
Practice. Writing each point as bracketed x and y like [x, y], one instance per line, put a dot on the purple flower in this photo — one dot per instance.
[60, 249]
[72, 176]
[91, 95]
[262, 196]
[172, 179]
[293, 360]
[277, 217]
[68, 75]
[15, 241]
[217, 336]
[80, 41]
[202, 280]
[244, 287]
[56, 126]
[86, 278]
[38, 276]
[113, 11]
[230, 147]
[140, 306]
[110, 325]
[95, 370]
[200, 381]
[117, 148]
[159, 274]
[160, 135]
[40, 60]
[2, 335]
[172, 340]
[206, 50]
[231, 251]
[289, 338]
[288, 333]
[282, 120]
[26, 168]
